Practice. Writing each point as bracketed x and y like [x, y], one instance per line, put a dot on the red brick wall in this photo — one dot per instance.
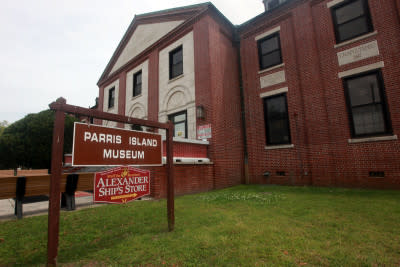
[189, 179]
[187, 150]
[318, 115]
[153, 86]
[217, 90]
[226, 144]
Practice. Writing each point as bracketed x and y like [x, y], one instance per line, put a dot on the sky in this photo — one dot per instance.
[54, 48]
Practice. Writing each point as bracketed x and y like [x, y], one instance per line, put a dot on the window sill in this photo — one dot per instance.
[189, 141]
[189, 161]
[271, 68]
[362, 37]
[373, 139]
[279, 146]
[135, 97]
[175, 78]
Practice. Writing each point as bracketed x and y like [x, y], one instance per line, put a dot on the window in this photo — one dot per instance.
[180, 123]
[351, 19]
[137, 83]
[367, 105]
[136, 127]
[269, 51]
[276, 120]
[175, 62]
[111, 97]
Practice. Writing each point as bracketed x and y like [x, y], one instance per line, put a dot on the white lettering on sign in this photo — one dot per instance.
[358, 53]
[122, 154]
[204, 131]
[136, 141]
[97, 146]
[113, 186]
[102, 138]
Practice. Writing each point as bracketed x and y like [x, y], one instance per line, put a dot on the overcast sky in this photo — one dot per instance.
[53, 48]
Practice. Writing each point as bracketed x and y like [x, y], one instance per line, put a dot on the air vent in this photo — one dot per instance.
[378, 174]
[280, 173]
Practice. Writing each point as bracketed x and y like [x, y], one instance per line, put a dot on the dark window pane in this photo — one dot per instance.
[277, 122]
[367, 105]
[180, 124]
[363, 90]
[351, 19]
[278, 131]
[175, 63]
[368, 120]
[177, 57]
[139, 78]
[269, 51]
[276, 107]
[177, 70]
[137, 84]
[138, 90]
[179, 118]
[271, 59]
[352, 29]
[111, 97]
[136, 127]
[269, 45]
[180, 129]
[349, 12]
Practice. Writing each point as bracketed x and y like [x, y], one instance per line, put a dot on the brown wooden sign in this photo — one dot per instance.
[104, 146]
[121, 185]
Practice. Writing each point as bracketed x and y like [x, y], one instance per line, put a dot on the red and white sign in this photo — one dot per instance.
[104, 146]
[121, 185]
[204, 131]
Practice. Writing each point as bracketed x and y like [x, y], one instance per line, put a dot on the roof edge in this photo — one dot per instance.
[135, 21]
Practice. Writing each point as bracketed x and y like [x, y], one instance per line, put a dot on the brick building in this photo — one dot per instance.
[182, 64]
[322, 93]
[305, 93]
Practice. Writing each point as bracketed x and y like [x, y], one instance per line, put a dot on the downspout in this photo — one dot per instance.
[242, 111]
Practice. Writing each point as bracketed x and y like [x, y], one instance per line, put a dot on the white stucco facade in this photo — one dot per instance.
[114, 109]
[144, 36]
[137, 106]
[178, 94]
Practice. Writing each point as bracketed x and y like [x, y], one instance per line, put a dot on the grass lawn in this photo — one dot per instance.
[239, 226]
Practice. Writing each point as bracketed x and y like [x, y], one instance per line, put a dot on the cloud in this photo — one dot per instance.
[60, 48]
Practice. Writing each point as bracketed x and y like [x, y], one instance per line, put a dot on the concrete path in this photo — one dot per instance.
[38, 208]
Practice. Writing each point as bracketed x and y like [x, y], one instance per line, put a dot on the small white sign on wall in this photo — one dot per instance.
[204, 131]
[358, 53]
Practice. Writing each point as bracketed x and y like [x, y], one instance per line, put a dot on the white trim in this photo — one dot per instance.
[274, 92]
[373, 66]
[271, 68]
[279, 147]
[373, 139]
[187, 160]
[274, 30]
[334, 3]
[189, 141]
[176, 78]
[359, 38]
[115, 128]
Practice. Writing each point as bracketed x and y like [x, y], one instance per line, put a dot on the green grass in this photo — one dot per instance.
[239, 226]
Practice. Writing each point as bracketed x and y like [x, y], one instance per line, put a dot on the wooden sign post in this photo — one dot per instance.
[61, 107]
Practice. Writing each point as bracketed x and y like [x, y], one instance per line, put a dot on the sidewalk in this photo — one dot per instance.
[82, 200]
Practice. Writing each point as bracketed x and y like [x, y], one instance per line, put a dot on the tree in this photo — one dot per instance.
[27, 142]
[3, 126]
